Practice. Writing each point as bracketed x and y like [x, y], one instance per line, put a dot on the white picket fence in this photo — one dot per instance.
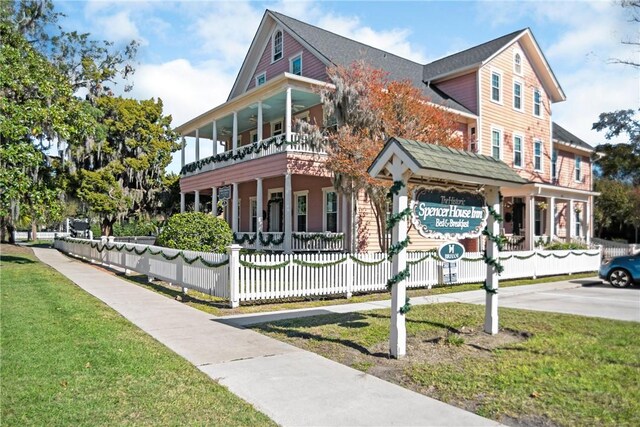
[612, 249]
[274, 276]
[41, 235]
[180, 268]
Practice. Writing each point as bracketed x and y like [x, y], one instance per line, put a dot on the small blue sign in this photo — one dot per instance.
[448, 213]
[451, 251]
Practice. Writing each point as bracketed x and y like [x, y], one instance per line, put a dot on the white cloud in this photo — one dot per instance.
[119, 28]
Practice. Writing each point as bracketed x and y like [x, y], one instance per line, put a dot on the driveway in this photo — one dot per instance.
[589, 298]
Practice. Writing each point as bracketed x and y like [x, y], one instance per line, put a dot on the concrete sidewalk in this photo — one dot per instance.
[291, 386]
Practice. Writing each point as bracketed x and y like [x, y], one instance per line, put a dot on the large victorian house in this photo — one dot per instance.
[275, 191]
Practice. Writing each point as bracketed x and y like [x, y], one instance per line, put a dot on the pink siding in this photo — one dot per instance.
[311, 66]
[566, 170]
[463, 89]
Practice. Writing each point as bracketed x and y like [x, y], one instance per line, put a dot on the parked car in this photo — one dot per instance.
[621, 271]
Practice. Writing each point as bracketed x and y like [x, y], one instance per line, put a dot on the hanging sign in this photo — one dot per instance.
[451, 251]
[448, 213]
[449, 273]
[224, 193]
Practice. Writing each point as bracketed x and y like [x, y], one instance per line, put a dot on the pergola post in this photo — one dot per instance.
[491, 300]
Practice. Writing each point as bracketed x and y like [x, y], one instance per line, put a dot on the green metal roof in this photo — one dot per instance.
[463, 163]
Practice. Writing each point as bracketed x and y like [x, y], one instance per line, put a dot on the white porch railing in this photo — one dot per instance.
[266, 147]
[273, 276]
[317, 242]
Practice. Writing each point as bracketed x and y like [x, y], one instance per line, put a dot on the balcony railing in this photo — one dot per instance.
[300, 242]
[266, 147]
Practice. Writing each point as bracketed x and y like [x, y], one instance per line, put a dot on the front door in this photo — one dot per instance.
[275, 212]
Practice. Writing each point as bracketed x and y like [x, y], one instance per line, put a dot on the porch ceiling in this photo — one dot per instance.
[273, 109]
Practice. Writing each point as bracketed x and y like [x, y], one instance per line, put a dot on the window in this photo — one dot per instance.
[301, 211]
[517, 96]
[253, 136]
[295, 65]
[554, 165]
[330, 210]
[578, 223]
[496, 143]
[275, 209]
[578, 168]
[538, 216]
[517, 63]
[276, 128]
[277, 45]
[495, 86]
[473, 143]
[537, 103]
[253, 213]
[537, 155]
[261, 79]
[517, 151]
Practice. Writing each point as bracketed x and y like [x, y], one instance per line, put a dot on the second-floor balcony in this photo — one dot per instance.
[260, 122]
[266, 147]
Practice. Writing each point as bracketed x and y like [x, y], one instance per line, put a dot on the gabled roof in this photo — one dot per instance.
[438, 161]
[562, 135]
[338, 50]
[467, 59]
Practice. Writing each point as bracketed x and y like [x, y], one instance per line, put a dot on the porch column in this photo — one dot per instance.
[343, 219]
[214, 137]
[235, 131]
[569, 233]
[259, 121]
[196, 207]
[551, 218]
[234, 210]
[182, 202]
[258, 211]
[287, 116]
[585, 221]
[214, 201]
[531, 224]
[197, 144]
[183, 145]
[491, 298]
[287, 213]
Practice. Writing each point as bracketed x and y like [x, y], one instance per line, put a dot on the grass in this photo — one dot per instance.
[541, 369]
[219, 306]
[67, 359]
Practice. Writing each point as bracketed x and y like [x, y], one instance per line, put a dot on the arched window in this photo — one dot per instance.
[277, 45]
[517, 63]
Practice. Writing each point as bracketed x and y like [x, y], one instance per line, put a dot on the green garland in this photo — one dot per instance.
[418, 261]
[319, 236]
[271, 239]
[499, 241]
[263, 267]
[239, 154]
[245, 238]
[319, 264]
[395, 249]
[367, 263]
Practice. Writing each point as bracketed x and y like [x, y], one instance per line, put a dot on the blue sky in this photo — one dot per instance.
[191, 51]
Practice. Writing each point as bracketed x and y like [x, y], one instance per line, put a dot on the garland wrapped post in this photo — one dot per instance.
[397, 340]
[491, 256]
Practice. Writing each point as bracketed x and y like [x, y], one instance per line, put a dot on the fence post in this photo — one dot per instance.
[535, 263]
[350, 265]
[233, 251]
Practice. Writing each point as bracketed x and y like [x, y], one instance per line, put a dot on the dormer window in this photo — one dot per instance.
[277, 45]
[517, 63]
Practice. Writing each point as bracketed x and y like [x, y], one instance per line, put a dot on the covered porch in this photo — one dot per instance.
[278, 213]
[537, 214]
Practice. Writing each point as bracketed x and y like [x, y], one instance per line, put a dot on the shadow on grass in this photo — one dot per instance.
[444, 326]
[293, 333]
[16, 259]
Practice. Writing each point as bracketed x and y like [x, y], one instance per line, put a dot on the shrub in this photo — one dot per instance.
[134, 228]
[557, 246]
[196, 231]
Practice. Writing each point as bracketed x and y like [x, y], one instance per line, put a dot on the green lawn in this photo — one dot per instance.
[67, 359]
[541, 369]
